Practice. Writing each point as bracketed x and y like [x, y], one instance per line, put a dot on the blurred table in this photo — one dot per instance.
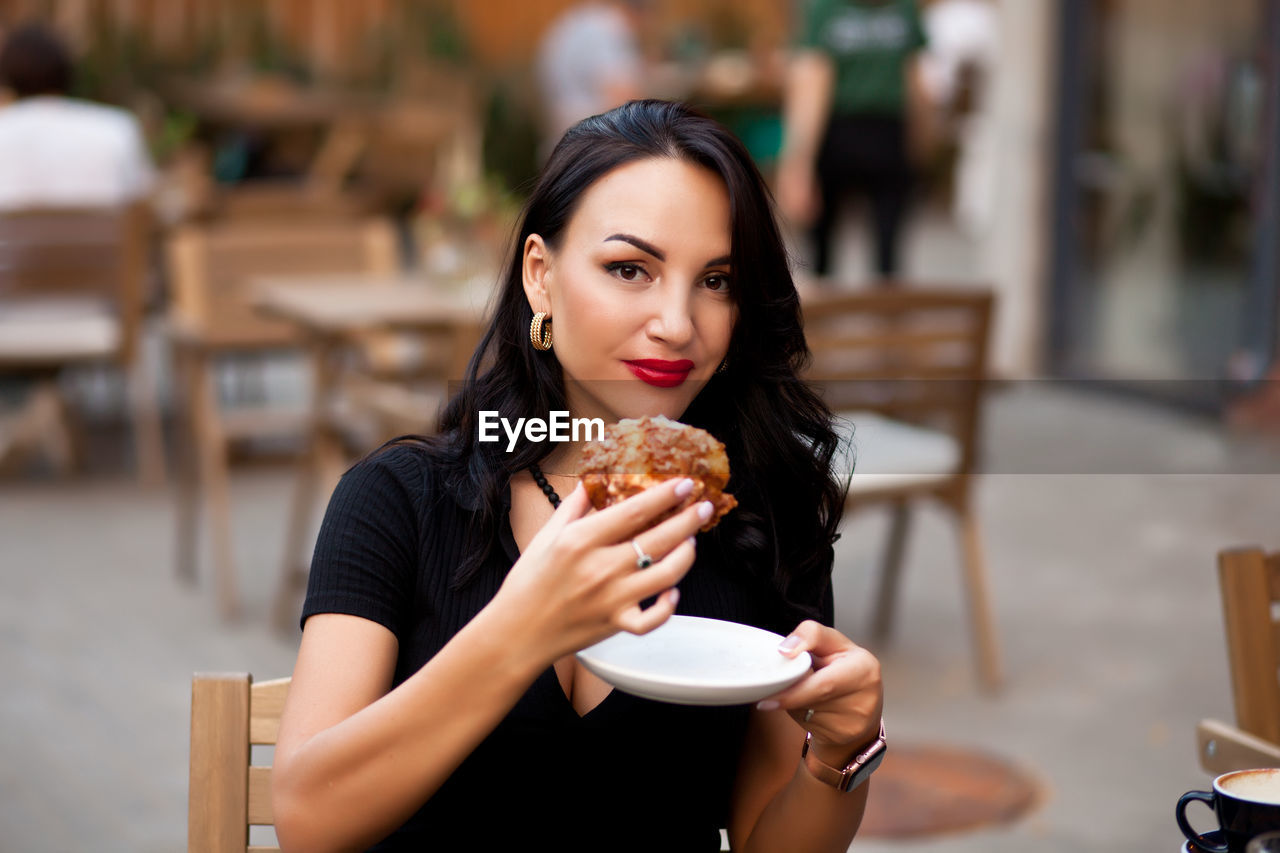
[338, 314]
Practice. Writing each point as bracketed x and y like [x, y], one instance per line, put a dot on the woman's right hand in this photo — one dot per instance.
[578, 582]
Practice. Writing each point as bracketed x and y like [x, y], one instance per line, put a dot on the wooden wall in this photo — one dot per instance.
[331, 34]
[507, 33]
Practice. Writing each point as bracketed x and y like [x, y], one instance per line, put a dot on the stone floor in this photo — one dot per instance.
[1101, 517]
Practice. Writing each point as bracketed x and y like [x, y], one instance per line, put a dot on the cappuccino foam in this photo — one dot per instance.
[1260, 786]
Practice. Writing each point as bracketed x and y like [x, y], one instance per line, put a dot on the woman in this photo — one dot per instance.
[436, 702]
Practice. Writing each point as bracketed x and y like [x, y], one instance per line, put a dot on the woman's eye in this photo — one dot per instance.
[626, 272]
[717, 283]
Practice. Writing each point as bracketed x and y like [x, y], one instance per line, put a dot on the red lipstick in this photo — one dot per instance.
[660, 372]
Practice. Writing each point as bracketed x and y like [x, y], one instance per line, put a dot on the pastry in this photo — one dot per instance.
[637, 453]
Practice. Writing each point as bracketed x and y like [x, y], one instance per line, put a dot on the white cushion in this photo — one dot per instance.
[888, 454]
[57, 330]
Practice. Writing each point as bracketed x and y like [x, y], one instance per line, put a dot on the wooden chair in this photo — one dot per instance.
[211, 271]
[904, 368]
[72, 292]
[228, 793]
[319, 197]
[1249, 580]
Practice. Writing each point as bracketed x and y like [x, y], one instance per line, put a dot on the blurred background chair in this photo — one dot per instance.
[227, 792]
[1249, 579]
[905, 370]
[322, 194]
[73, 292]
[213, 319]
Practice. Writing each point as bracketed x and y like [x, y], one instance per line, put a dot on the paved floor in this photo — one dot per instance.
[1102, 517]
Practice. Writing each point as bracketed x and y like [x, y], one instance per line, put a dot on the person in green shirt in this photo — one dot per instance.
[849, 94]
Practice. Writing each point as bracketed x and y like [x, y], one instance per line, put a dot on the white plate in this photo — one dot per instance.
[689, 660]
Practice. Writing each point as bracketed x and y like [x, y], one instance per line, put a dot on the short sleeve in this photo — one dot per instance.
[366, 555]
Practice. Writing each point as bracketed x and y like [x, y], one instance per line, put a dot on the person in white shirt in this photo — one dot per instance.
[589, 62]
[58, 151]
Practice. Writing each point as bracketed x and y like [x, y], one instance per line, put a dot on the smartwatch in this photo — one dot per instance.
[852, 774]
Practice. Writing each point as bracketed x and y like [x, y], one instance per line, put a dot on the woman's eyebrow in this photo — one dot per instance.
[649, 248]
[642, 245]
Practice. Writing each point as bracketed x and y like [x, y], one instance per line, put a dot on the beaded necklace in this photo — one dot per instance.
[544, 485]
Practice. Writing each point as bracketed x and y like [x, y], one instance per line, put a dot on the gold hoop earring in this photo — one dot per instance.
[724, 365]
[540, 331]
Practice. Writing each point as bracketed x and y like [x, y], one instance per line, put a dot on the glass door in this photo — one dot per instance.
[1165, 231]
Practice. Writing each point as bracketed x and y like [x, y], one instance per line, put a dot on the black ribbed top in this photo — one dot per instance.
[630, 774]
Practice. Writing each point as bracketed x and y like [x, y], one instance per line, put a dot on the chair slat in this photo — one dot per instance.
[259, 811]
[217, 813]
[266, 704]
[1251, 641]
[890, 301]
[263, 421]
[892, 339]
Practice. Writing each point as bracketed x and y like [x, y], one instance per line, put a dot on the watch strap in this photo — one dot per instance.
[852, 774]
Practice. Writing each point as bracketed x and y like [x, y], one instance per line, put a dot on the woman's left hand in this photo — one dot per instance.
[844, 692]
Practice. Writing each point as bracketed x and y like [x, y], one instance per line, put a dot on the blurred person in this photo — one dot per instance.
[957, 71]
[589, 61]
[59, 151]
[451, 585]
[851, 87]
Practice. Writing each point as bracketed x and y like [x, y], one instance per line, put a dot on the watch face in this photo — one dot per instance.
[864, 771]
[872, 764]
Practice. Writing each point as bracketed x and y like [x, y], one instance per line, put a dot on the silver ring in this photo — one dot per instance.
[643, 560]
[808, 715]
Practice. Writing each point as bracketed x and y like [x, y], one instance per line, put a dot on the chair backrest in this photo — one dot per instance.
[909, 353]
[212, 269]
[228, 793]
[94, 253]
[1250, 582]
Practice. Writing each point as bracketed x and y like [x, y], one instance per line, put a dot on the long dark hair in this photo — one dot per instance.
[776, 430]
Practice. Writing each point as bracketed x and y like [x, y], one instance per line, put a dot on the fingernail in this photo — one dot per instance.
[790, 644]
[684, 488]
[768, 705]
[673, 595]
[705, 509]
[693, 540]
